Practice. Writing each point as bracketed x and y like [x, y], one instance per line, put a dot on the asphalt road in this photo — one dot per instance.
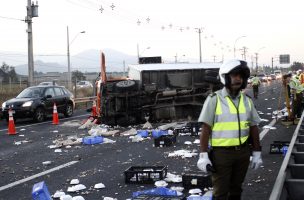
[21, 165]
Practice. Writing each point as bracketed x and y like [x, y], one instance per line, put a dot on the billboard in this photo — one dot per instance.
[284, 59]
[148, 60]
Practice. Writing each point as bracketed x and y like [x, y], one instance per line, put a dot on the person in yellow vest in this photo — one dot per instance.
[296, 92]
[255, 86]
[229, 121]
[302, 78]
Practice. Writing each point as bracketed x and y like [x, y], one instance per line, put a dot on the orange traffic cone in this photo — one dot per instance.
[94, 113]
[55, 115]
[11, 123]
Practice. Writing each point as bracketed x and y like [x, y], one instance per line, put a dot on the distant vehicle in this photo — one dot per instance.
[268, 77]
[47, 83]
[262, 77]
[249, 81]
[37, 101]
[273, 76]
[278, 74]
[84, 84]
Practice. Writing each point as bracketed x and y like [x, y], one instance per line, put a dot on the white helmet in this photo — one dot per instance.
[235, 65]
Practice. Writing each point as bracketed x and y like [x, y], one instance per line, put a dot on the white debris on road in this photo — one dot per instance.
[183, 153]
[76, 188]
[99, 186]
[74, 181]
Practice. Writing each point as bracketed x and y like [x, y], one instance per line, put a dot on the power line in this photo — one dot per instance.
[11, 18]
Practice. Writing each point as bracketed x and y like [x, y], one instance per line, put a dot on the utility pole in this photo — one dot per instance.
[272, 65]
[69, 62]
[244, 49]
[214, 57]
[32, 11]
[256, 62]
[200, 43]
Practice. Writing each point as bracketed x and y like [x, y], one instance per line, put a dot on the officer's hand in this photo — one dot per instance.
[203, 161]
[256, 161]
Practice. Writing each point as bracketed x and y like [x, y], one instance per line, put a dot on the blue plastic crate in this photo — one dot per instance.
[92, 140]
[143, 133]
[40, 192]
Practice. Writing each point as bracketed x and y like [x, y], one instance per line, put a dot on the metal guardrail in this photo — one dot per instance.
[85, 99]
[276, 193]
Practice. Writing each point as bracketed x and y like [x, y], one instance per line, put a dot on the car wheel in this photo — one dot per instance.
[39, 115]
[68, 110]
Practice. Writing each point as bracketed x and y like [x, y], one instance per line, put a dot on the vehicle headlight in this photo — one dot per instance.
[27, 104]
[3, 105]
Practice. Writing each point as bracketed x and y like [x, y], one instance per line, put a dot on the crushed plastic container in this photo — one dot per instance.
[92, 140]
[40, 192]
[158, 133]
[143, 133]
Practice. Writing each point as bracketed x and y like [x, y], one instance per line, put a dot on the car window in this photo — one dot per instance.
[30, 93]
[49, 91]
[58, 91]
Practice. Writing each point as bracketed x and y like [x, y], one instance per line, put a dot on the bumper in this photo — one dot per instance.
[19, 113]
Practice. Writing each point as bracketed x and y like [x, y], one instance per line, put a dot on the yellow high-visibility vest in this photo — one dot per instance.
[231, 123]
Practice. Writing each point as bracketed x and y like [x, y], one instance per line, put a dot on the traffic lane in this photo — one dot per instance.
[106, 163]
[259, 183]
[24, 152]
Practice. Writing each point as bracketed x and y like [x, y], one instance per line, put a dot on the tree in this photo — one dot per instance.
[10, 73]
[77, 76]
[296, 66]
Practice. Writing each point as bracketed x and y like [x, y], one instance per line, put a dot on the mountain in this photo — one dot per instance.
[86, 61]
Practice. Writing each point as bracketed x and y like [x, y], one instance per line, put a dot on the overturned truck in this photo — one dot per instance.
[158, 91]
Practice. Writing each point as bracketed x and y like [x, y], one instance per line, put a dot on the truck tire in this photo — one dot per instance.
[124, 86]
[212, 79]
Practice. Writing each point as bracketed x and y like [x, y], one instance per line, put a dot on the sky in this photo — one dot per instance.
[167, 28]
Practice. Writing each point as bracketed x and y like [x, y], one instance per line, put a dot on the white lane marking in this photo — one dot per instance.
[64, 119]
[36, 175]
[265, 131]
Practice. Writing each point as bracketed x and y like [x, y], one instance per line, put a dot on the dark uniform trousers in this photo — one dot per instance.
[255, 89]
[231, 164]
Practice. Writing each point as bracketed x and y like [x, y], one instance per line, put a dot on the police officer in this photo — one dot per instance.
[255, 86]
[229, 119]
[296, 90]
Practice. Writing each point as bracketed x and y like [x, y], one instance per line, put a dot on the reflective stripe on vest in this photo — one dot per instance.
[231, 125]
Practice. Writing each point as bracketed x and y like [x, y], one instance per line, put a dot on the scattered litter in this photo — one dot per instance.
[78, 198]
[23, 129]
[89, 123]
[47, 162]
[132, 131]
[160, 183]
[147, 125]
[195, 191]
[58, 194]
[107, 140]
[177, 188]
[266, 99]
[269, 127]
[268, 114]
[17, 143]
[99, 186]
[269, 108]
[264, 120]
[55, 131]
[196, 141]
[66, 197]
[74, 181]
[58, 151]
[136, 138]
[188, 142]
[73, 123]
[21, 135]
[109, 198]
[21, 142]
[173, 178]
[183, 153]
[72, 140]
[76, 188]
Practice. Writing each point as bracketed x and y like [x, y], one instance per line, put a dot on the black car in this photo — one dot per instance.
[37, 102]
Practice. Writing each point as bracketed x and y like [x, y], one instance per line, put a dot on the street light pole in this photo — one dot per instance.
[200, 43]
[256, 58]
[68, 55]
[235, 43]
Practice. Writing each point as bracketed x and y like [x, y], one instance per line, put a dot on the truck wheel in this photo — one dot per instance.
[126, 85]
[211, 79]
